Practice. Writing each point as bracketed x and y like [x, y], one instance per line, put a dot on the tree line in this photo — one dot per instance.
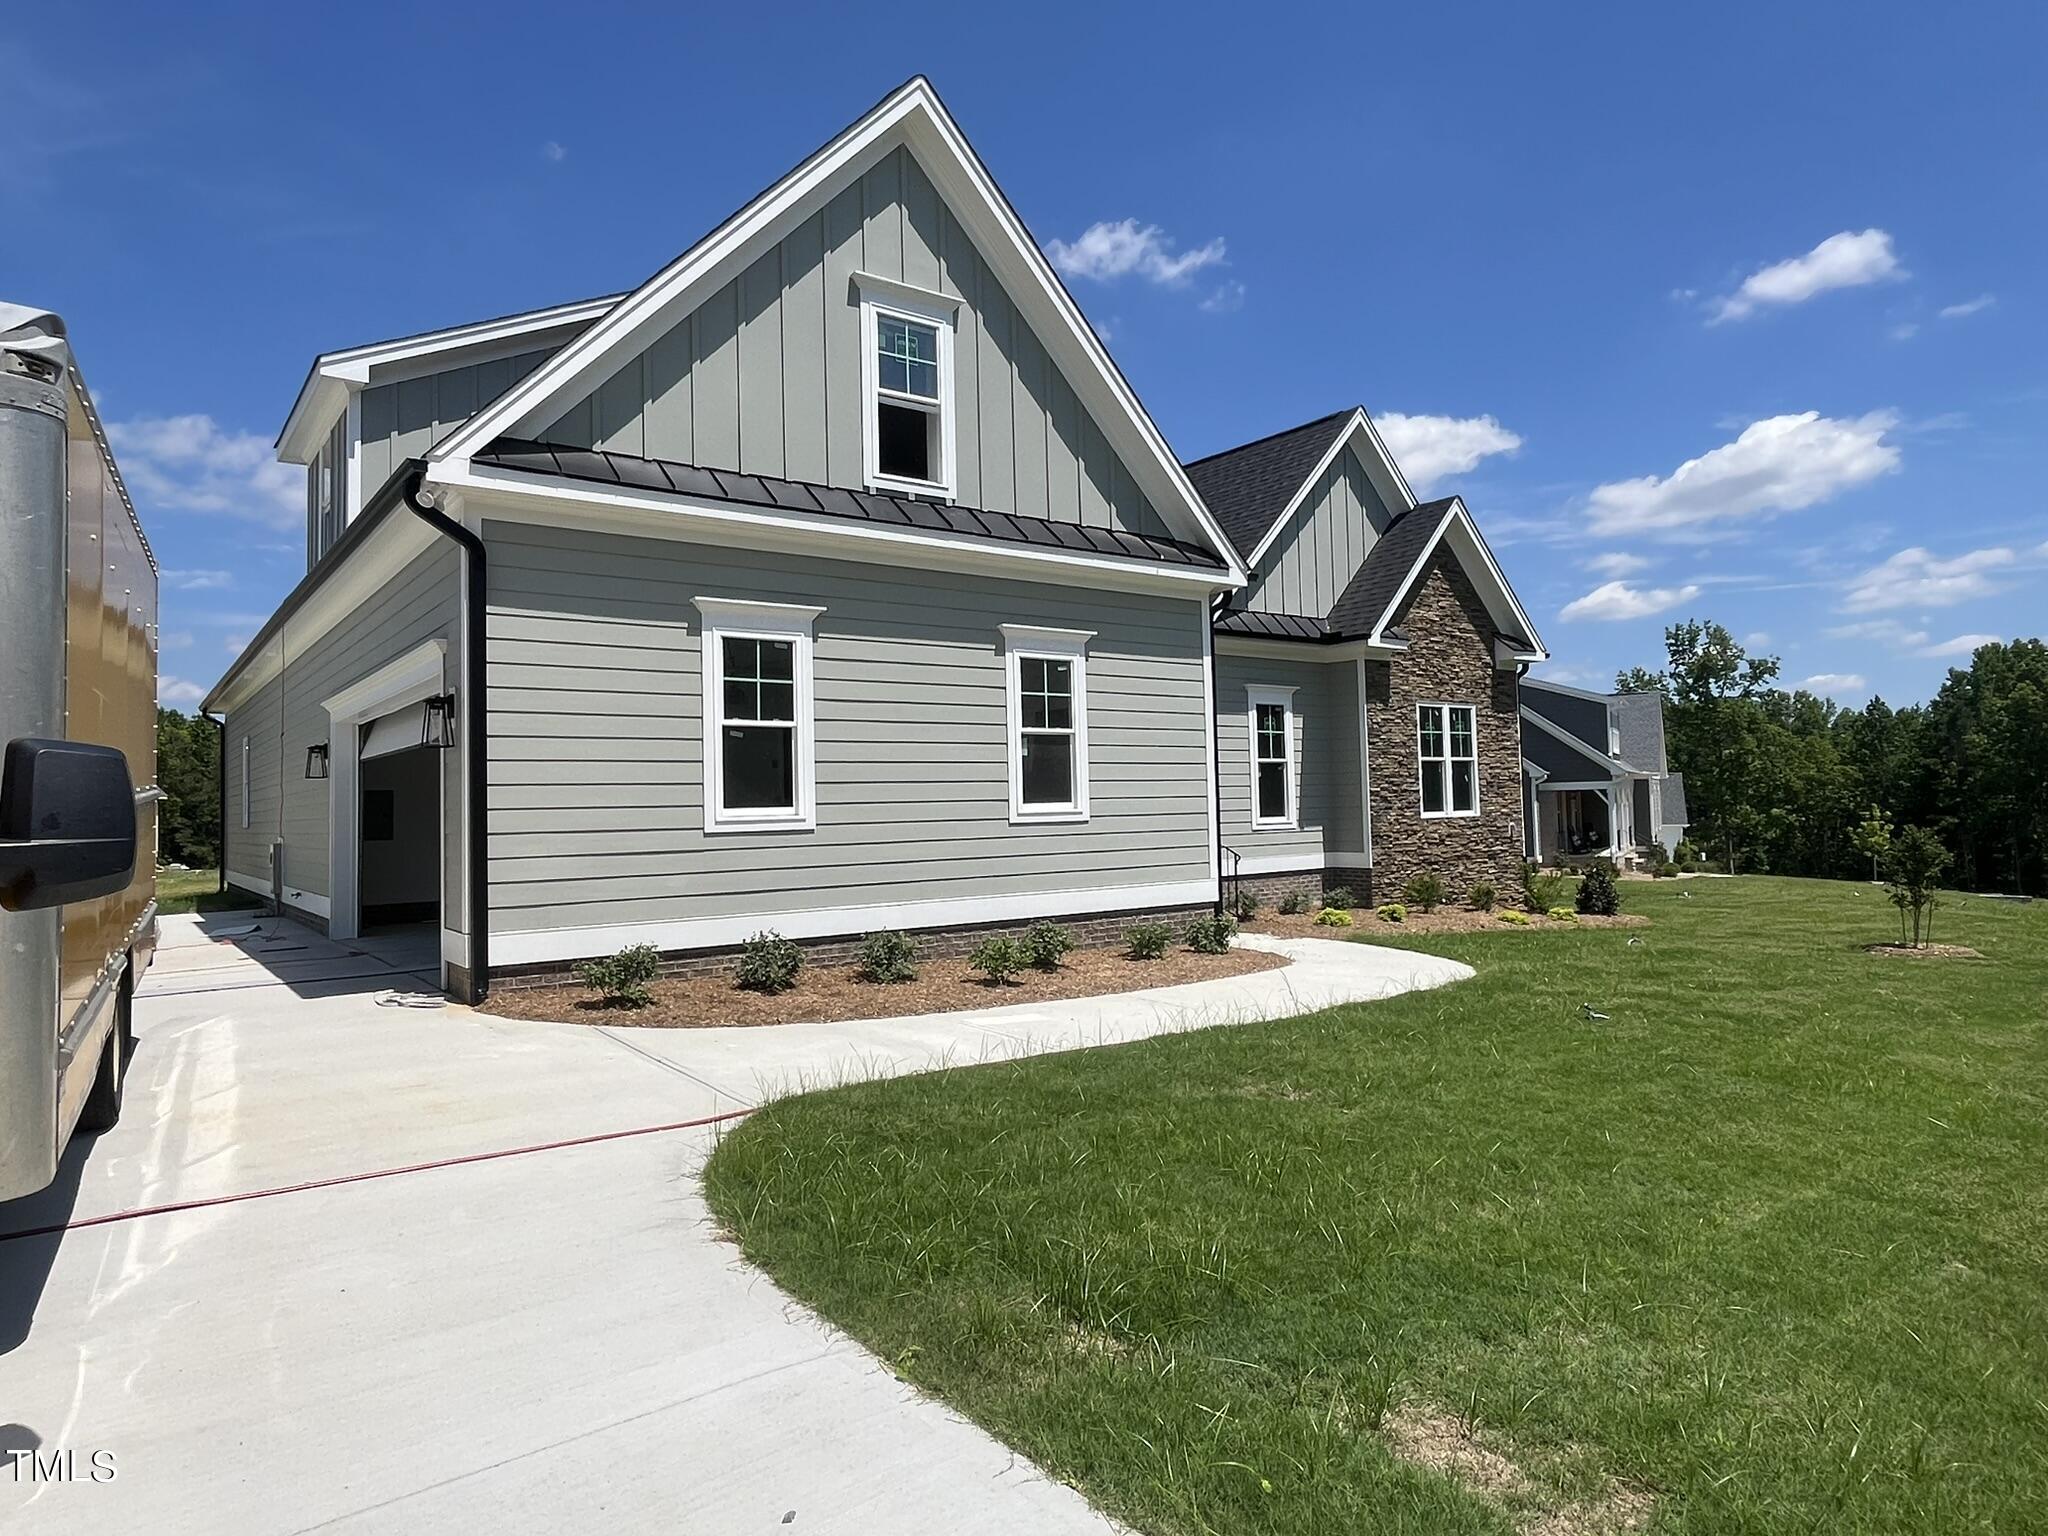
[188, 771]
[1779, 781]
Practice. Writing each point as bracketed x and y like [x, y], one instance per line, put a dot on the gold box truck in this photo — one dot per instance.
[78, 639]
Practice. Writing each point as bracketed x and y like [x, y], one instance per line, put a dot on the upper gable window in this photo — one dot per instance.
[907, 388]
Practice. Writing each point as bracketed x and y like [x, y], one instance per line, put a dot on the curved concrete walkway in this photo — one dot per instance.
[548, 1341]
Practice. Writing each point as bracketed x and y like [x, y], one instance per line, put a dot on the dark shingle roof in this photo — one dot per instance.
[832, 501]
[1364, 603]
[1249, 486]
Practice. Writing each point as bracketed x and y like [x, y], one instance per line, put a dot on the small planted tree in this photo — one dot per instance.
[1912, 865]
[1873, 837]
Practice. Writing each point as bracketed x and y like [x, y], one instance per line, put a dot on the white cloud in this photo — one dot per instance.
[1108, 251]
[1914, 578]
[1617, 563]
[175, 690]
[189, 464]
[1226, 296]
[1880, 632]
[553, 153]
[197, 581]
[1757, 639]
[1430, 447]
[1835, 682]
[1840, 261]
[233, 644]
[1905, 331]
[1780, 464]
[1619, 600]
[1968, 307]
[1961, 645]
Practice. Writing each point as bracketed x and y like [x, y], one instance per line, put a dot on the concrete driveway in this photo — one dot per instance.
[312, 1326]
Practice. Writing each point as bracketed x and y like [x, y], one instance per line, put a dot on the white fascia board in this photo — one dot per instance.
[367, 570]
[1565, 688]
[1471, 548]
[1583, 748]
[327, 386]
[1536, 772]
[520, 497]
[1302, 650]
[1380, 467]
[912, 117]
[536, 946]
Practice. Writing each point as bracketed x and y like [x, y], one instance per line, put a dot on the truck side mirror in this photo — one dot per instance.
[67, 823]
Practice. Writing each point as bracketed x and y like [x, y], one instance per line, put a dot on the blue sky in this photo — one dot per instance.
[1738, 315]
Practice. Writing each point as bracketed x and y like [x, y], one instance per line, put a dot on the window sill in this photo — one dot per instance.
[1275, 826]
[1020, 817]
[1451, 815]
[889, 485]
[714, 825]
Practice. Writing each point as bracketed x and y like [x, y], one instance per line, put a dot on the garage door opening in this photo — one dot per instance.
[399, 822]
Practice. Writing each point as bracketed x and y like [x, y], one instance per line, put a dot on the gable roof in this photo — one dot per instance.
[1249, 486]
[1371, 595]
[808, 498]
[911, 116]
[1265, 481]
[326, 387]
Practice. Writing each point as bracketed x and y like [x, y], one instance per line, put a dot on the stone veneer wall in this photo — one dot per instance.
[1096, 931]
[1449, 660]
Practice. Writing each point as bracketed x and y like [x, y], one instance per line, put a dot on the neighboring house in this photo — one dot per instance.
[835, 580]
[1595, 775]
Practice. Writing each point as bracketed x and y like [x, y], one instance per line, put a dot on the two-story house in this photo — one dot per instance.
[832, 580]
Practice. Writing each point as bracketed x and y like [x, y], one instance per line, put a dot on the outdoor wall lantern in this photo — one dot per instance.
[316, 760]
[438, 729]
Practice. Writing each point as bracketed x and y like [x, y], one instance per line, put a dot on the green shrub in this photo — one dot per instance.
[1519, 919]
[1339, 896]
[1333, 917]
[1542, 889]
[1243, 905]
[1046, 944]
[1481, 899]
[623, 978]
[1292, 903]
[1686, 855]
[999, 959]
[1666, 871]
[1598, 894]
[1562, 915]
[1212, 935]
[768, 963]
[1147, 941]
[1393, 912]
[1424, 891]
[888, 957]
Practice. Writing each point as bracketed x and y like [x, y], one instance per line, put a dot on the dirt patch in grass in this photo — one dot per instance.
[1364, 922]
[1926, 951]
[1428, 1438]
[828, 994]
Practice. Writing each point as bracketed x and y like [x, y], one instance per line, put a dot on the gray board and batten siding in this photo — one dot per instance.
[765, 376]
[1322, 545]
[597, 772]
[402, 420]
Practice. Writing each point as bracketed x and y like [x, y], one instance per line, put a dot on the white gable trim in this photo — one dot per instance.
[1380, 468]
[1472, 548]
[914, 117]
[327, 387]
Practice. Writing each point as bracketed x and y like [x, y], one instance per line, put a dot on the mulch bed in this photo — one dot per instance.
[1926, 951]
[1365, 923]
[828, 994]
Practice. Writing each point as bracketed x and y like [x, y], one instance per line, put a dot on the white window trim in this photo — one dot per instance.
[1019, 642]
[245, 783]
[879, 296]
[726, 618]
[1256, 694]
[1448, 813]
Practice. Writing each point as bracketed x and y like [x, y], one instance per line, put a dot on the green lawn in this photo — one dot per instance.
[1771, 1244]
[198, 890]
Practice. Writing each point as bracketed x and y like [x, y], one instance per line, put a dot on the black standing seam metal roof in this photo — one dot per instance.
[1249, 486]
[831, 501]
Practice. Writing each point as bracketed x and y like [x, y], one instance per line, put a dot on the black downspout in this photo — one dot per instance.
[1215, 746]
[478, 907]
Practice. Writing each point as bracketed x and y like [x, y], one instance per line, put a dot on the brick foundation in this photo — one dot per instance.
[1449, 660]
[1093, 931]
[1309, 884]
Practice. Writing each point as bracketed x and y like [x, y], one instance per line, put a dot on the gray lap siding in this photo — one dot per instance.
[596, 762]
[1329, 815]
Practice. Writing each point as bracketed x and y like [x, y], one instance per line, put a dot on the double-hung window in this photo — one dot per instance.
[1447, 745]
[760, 751]
[907, 387]
[1048, 722]
[1270, 718]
